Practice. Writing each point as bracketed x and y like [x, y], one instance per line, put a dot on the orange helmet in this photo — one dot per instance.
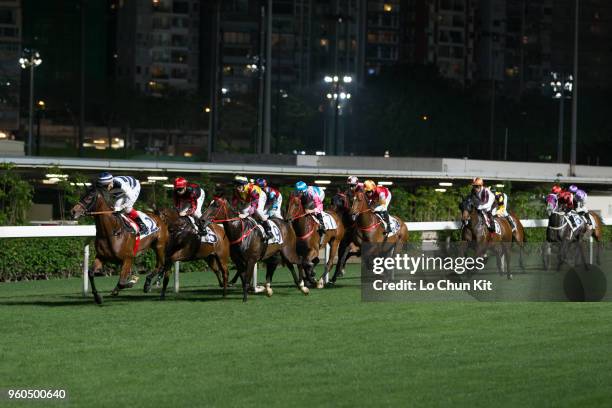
[556, 189]
[477, 182]
[369, 185]
[179, 183]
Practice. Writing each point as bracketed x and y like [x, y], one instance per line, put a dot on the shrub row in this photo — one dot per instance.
[46, 258]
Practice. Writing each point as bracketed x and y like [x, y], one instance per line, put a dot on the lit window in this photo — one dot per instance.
[387, 7]
[324, 42]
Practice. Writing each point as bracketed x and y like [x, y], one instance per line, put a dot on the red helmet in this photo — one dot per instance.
[556, 189]
[179, 183]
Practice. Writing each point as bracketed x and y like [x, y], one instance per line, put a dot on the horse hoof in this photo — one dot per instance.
[320, 284]
[305, 290]
[115, 292]
[509, 277]
[97, 299]
[162, 296]
[133, 280]
[269, 292]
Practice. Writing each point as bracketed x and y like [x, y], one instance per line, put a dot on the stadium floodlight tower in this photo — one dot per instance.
[338, 96]
[30, 59]
[562, 86]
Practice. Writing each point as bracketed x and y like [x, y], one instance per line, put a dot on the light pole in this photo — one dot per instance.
[575, 96]
[30, 59]
[562, 86]
[339, 97]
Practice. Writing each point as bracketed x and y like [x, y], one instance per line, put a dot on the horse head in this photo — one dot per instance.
[218, 209]
[340, 202]
[295, 208]
[468, 207]
[551, 203]
[360, 204]
[92, 200]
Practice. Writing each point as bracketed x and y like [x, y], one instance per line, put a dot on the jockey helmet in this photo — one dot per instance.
[352, 180]
[477, 182]
[180, 183]
[369, 185]
[573, 188]
[240, 181]
[556, 189]
[262, 182]
[105, 179]
[580, 195]
[300, 187]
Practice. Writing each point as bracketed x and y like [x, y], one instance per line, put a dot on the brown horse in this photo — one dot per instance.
[597, 233]
[369, 227]
[475, 232]
[248, 246]
[309, 241]
[115, 242]
[518, 236]
[186, 245]
[341, 204]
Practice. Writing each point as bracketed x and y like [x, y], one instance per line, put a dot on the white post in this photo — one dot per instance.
[327, 249]
[176, 276]
[86, 270]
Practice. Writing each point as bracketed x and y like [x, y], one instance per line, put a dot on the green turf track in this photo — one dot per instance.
[327, 349]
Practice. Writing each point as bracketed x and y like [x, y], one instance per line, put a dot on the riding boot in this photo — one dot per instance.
[491, 222]
[385, 215]
[321, 223]
[201, 226]
[142, 226]
[511, 221]
[267, 229]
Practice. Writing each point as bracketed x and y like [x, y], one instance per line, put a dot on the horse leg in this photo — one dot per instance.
[235, 278]
[333, 250]
[123, 283]
[343, 250]
[247, 275]
[506, 247]
[97, 266]
[271, 266]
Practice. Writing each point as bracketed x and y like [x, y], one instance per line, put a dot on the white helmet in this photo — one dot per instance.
[352, 180]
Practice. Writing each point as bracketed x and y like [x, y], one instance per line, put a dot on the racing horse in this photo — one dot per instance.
[341, 204]
[248, 246]
[476, 233]
[369, 228]
[561, 231]
[185, 244]
[116, 242]
[309, 241]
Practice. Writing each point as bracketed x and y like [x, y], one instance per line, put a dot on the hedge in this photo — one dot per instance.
[46, 258]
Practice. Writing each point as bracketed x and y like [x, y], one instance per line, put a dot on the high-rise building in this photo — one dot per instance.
[442, 33]
[595, 41]
[383, 34]
[10, 50]
[158, 45]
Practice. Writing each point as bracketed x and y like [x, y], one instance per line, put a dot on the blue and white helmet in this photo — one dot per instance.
[300, 187]
[104, 179]
[573, 188]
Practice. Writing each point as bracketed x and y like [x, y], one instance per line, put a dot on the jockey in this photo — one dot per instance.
[566, 200]
[556, 189]
[378, 197]
[316, 195]
[580, 197]
[274, 199]
[188, 199]
[125, 191]
[252, 200]
[487, 201]
[502, 207]
[353, 184]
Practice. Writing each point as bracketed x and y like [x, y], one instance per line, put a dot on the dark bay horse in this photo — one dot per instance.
[185, 244]
[349, 246]
[476, 233]
[248, 246]
[115, 242]
[370, 228]
[309, 241]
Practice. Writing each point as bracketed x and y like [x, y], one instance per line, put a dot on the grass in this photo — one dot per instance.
[327, 349]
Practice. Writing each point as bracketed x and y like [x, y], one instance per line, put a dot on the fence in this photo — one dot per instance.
[90, 231]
